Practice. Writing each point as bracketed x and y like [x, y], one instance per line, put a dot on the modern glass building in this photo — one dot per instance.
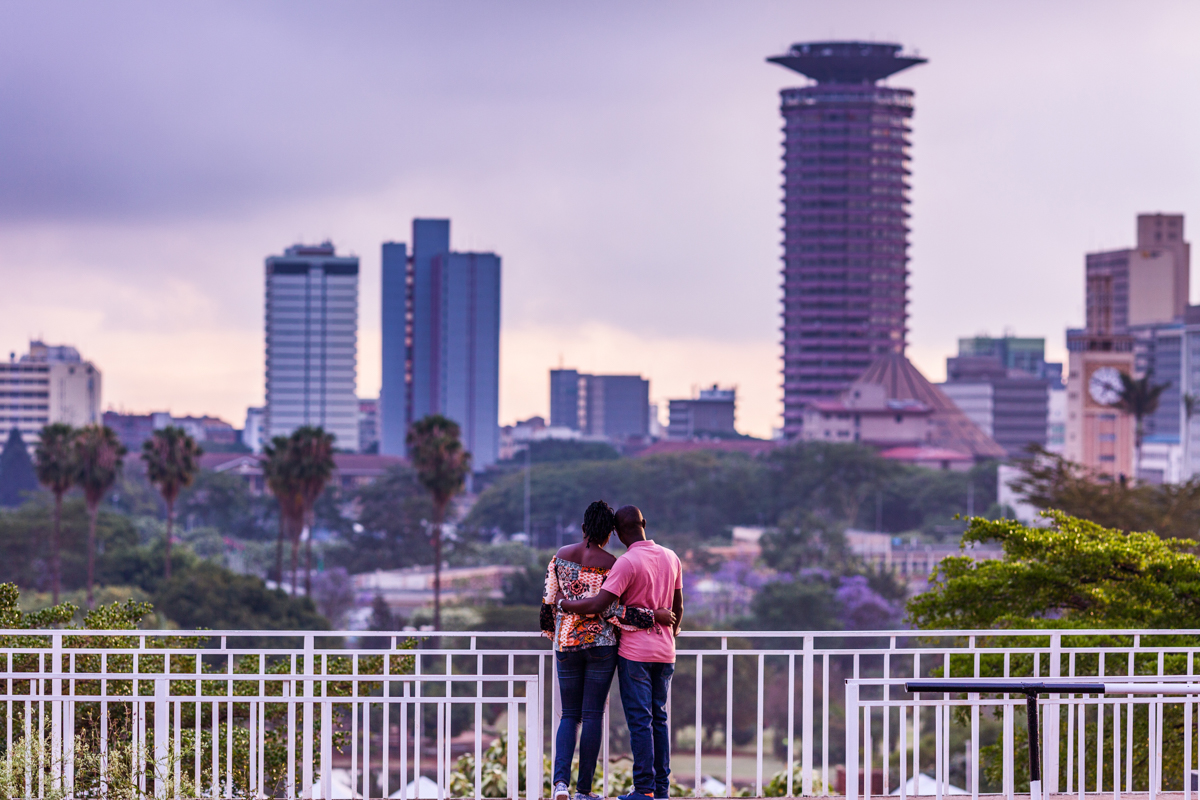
[441, 340]
[312, 343]
[845, 218]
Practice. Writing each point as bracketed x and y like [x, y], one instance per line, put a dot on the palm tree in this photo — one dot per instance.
[170, 456]
[436, 451]
[312, 448]
[297, 469]
[99, 455]
[55, 467]
[280, 473]
[1139, 398]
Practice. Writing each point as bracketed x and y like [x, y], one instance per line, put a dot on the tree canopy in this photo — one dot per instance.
[1072, 574]
[1171, 510]
[704, 492]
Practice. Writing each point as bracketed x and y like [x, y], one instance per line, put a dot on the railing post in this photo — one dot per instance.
[533, 741]
[851, 740]
[326, 741]
[806, 721]
[1051, 721]
[306, 691]
[56, 743]
[512, 755]
[161, 735]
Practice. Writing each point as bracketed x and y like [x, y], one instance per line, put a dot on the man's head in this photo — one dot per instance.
[631, 525]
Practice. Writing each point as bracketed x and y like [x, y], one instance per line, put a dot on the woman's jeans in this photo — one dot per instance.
[583, 680]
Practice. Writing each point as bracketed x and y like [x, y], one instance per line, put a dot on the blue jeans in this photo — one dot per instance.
[583, 680]
[644, 687]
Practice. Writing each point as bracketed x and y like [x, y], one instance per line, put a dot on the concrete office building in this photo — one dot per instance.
[441, 340]
[50, 383]
[252, 430]
[845, 219]
[1011, 406]
[134, 429]
[368, 425]
[312, 343]
[616, 407]
[708, 415]
[1003, 385]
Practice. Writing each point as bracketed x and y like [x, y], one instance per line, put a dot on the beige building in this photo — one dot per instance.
[51, 383]
[1099, 435]
[1162, 234]
[864, 413]
[1129, 292]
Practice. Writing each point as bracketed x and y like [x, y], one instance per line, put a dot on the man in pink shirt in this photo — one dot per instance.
[649, 576]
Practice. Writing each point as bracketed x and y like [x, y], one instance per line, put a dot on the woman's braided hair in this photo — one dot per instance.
[598, 522]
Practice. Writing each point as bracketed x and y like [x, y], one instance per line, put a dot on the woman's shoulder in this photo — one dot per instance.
[569, 552]
[600, 559]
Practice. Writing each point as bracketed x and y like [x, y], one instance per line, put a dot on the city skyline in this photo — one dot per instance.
[639, 228]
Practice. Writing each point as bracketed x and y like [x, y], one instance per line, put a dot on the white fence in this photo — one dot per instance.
[285, 714]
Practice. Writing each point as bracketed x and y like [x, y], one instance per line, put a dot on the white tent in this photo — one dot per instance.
[925, 785]
[421, 789]
[339, 787]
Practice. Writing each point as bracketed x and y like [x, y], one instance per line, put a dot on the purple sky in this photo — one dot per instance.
[623, 158]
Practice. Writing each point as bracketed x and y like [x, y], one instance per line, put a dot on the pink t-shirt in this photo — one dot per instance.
[647, 575]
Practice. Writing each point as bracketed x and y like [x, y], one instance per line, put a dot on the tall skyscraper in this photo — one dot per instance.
[312, 343]
[441, 340]
[845, 218]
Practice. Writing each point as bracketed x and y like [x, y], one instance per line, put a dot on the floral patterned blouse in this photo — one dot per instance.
[567, 580]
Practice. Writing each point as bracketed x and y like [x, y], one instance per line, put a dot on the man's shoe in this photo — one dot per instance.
[634, 796]
[561, 792]
[589, 796]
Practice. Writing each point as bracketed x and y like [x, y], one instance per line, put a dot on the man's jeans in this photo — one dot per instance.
[644, 687]
[583, 680]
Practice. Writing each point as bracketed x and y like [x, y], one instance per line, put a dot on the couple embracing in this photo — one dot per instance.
[605, 614]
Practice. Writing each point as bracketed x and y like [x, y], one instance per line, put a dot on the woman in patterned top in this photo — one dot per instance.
[586, 647]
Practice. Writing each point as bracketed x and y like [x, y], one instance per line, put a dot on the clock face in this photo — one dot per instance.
[1105, 386]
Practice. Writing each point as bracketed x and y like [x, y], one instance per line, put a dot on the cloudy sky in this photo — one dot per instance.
[622, 157]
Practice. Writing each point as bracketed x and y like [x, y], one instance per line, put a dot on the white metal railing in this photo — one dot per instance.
[178, 712]
[274, 713]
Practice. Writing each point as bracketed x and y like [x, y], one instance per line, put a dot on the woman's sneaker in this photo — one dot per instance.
[561, 792]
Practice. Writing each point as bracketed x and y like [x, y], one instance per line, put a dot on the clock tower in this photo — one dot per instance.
[1100, 436]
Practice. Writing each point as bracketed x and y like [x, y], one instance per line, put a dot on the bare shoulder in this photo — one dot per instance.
[569, 552]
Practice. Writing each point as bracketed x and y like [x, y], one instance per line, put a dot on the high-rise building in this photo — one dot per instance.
[613, 406]
[1009, 403]
[50, 383]
[845, 218]
[564, 399]
[1143, 285]
[312, 343]
[441, 340]
[710, 414]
